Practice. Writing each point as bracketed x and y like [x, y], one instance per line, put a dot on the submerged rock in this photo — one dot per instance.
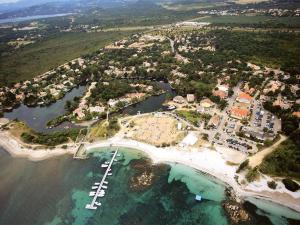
[145, 174]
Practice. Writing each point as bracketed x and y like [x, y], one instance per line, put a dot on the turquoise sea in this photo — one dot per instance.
[55, 191]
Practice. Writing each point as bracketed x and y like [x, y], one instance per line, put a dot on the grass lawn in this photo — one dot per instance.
[35, 59]
[193, 117]
[103, 130]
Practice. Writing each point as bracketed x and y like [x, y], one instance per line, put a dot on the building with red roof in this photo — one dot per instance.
[244, 98]
[239, 113]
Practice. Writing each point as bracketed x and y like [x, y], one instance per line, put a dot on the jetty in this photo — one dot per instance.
[102, 186]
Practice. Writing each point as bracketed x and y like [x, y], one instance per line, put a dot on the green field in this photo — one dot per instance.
[42, 56]
[266, 20]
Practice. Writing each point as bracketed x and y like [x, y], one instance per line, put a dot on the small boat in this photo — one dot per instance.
[118, 155]
[171, 107]
[115, 160]
[105, 182]
[92, 193]
[104, 187]
[89, 206]
[198, 198]
[101, 193]
[106, 162]
[97, 183]
[104, 165]
[94, 187]
[109, 174]
[97, 203]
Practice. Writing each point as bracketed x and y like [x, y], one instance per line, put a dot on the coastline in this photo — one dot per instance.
[198, 160]
[16, 149]
[193, 157]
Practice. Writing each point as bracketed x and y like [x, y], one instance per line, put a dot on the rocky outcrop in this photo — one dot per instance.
[235, 210]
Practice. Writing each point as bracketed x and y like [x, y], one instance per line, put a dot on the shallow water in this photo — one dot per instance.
[55, 191]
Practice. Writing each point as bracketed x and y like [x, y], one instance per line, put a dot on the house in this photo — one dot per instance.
[239, 113]
[79, 113]
[244, 98]
[190, 98]
[20, 97]
[215, 121]
[179, 99]
[135, 95]
[200, 109]
[223, 87]
[282, 103]
[296, 114]
[97, 109]
[220, 94]
[206, 103]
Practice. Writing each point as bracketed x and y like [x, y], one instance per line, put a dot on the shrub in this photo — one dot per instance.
[243, 165]
[272, 184]
[290, 184]
[252, 175]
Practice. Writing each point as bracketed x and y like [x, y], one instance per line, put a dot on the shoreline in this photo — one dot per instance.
[173, 155]
[13, 146]
[192, 157]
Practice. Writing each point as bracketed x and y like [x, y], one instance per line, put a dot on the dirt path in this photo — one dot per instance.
[257, 159]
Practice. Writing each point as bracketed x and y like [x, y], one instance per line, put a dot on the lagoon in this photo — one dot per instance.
[28, 18]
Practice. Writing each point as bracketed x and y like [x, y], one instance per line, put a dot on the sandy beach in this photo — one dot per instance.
[212, 162]
[17, 149]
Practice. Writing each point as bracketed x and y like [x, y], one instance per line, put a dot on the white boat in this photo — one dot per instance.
[97, 203]
[104, 187]
[97, 183]
[104, 165]
[106, 162]
[171, 107]
[109, 174]
[89, 206]
[92, 193]
[105, 182]
[119, 155]
[115, 160]
[101, 193]
[94, 187]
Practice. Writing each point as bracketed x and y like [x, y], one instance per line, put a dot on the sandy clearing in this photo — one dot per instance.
[257, 159]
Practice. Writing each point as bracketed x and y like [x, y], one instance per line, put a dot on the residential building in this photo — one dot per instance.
[190, 98]
[179, 99]
[244, 98]
[239, 113]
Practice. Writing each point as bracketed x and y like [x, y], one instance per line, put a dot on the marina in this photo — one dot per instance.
[100, 186]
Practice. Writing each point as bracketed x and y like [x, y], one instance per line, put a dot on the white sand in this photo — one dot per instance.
[16, 149]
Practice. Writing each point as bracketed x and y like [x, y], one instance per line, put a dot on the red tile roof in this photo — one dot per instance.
[239, 112]
[243, 95]
[297, 114]
[221, 94]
